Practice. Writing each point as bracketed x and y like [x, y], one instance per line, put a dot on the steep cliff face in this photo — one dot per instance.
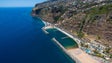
[85, 19]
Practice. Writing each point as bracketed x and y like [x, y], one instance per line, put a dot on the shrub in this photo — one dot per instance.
[80, 34]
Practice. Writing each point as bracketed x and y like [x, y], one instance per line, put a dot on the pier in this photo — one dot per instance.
[65, 50]
[76, 54]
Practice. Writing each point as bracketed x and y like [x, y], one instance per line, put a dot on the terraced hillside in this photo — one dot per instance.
[87, 20]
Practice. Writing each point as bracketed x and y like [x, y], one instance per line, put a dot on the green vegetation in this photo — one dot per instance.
[82, 44]
[110, 55]
[107, 50]
[94, 12]
[98, 54]
[109, 19]
[80, 34]
[56, 18]
[98, 37]
[61, 18]
[87, 46]
[100, 10]
[61, 10]
[82, 23]
[91, 18]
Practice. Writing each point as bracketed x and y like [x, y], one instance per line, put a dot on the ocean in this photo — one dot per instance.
[64, 40]
[23, 41]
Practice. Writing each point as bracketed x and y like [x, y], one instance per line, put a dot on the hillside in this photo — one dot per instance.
[86, 20]
[89, 20]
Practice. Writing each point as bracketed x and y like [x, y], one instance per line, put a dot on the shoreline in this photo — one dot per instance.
[72, 51]
[65, 51]
[69, 35]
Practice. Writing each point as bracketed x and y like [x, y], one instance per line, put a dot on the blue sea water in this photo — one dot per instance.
[63, 39]
[23, 41]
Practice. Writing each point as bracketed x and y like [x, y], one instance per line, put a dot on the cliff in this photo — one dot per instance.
[90, 20]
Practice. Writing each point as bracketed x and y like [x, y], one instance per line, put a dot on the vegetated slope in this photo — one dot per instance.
[88, 20]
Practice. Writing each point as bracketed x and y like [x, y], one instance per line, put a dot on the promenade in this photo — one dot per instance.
[75, 53]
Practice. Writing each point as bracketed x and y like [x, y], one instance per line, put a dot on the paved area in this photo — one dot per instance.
[82, 56]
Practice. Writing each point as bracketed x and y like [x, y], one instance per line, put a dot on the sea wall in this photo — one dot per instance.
[73, 58]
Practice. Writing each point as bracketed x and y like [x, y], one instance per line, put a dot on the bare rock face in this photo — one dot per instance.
[79, 17]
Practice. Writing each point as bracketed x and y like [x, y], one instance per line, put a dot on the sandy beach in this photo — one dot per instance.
[75, 53]
[81, 56]
[78, 53]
